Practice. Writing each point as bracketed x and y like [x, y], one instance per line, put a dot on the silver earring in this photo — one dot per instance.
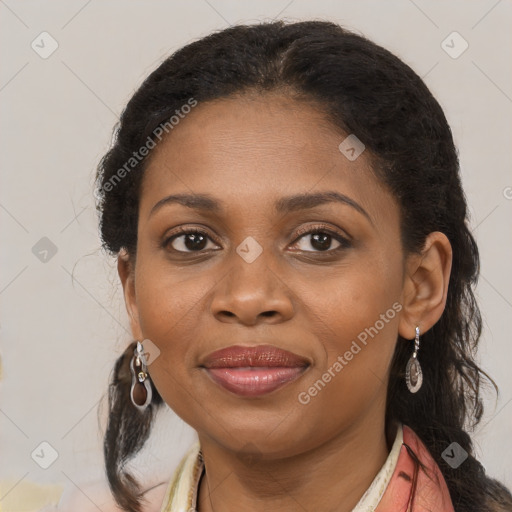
[413, 373]
[140, 391]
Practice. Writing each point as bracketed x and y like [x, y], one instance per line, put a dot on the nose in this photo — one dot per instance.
[252, 293]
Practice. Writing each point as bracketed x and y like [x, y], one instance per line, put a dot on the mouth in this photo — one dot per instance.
[254, 371]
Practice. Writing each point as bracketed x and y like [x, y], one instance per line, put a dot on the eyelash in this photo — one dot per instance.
[345, 243]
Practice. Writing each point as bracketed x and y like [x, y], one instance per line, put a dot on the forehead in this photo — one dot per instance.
[249, 151]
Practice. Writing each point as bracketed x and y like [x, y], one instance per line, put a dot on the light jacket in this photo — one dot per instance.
[430, 494]
[401, 485]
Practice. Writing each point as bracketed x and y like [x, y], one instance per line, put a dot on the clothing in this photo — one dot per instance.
[371, 498]
[391, 490]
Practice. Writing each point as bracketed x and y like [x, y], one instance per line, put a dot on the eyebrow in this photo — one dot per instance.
[284, 205]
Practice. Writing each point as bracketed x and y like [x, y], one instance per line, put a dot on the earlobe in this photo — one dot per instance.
[127, 277]
[426, 285]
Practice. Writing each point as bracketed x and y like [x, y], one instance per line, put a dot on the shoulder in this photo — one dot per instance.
[94, 495]
[413, 441]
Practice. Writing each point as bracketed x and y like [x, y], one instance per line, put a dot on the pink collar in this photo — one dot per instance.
[429, 493]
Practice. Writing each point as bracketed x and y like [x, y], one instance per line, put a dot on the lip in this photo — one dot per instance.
[254, 371]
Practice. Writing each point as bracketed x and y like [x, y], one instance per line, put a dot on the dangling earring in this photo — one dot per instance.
[413, 373]
[140, 392]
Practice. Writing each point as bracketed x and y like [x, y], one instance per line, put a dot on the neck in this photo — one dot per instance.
[333, 476]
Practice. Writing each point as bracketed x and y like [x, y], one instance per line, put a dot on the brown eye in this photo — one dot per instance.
[320, 240]
[189, 240]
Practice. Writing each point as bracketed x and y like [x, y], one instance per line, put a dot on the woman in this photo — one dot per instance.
[286, 208]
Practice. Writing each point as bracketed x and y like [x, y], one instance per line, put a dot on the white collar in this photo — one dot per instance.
[181, 494]
[370, 499]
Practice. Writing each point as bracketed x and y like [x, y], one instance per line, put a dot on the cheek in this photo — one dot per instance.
[169, 312]
[169, 315]
[346, 304]
[355, 318]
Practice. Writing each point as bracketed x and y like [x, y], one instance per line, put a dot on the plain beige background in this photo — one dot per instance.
[60, 337]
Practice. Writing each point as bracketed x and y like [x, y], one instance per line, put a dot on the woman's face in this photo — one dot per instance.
[256, 277]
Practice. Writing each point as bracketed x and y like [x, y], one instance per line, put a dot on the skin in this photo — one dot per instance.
[273, 452]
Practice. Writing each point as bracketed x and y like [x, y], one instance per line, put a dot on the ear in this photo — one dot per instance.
[126, 271]
[426, 285]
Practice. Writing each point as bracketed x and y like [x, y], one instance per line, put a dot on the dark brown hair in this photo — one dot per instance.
[363, 89]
